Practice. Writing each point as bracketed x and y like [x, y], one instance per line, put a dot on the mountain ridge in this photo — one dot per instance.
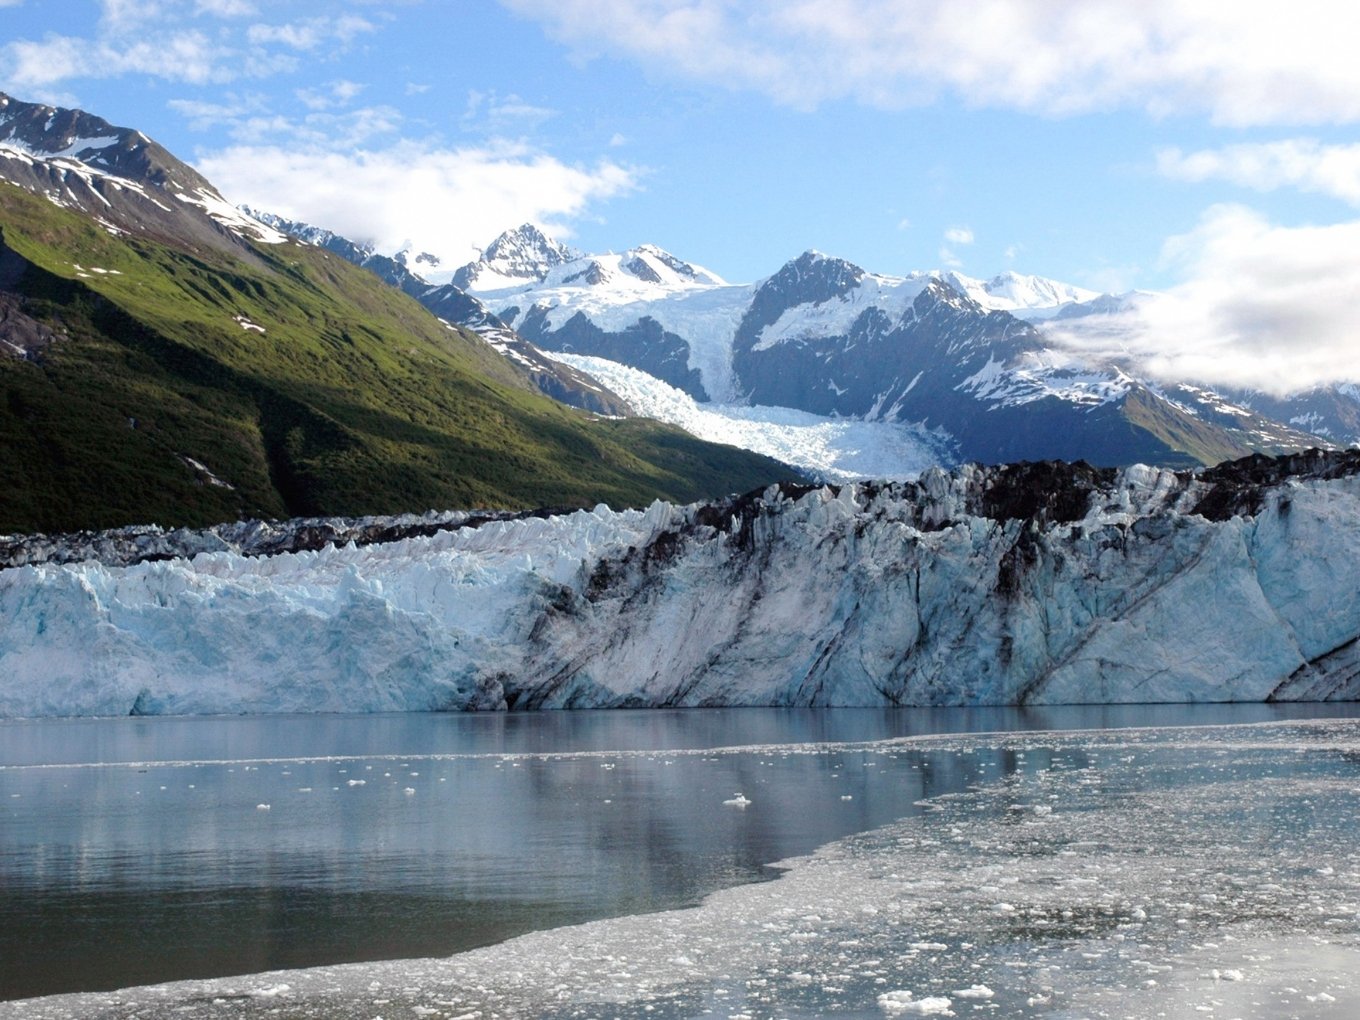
[802, 338]
[192, 365]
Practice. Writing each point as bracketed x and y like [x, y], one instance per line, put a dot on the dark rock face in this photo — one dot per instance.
[122, 547]
[1238, 487]
[1047, 492]
[22, 335]
[812, 278]
[645, 345]
[637, 267]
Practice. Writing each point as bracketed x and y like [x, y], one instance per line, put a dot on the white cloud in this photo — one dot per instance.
[249, 120]
[311, 33]
[178, 56]
[443, 201]
[949, 258]
[959, 235]
[1247, 62]
[329, 96]
[177, 40]
[1302, 163]
[131, 14]
[494, 114]
[1259, 305]
[226, 8]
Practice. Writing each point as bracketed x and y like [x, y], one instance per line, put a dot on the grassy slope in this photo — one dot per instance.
[354, 399]
[1200, 442]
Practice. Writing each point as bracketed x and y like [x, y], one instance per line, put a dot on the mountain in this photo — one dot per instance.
[121, 179]
[526, 254]
[454, 305]
[1332, 412]
[617, 307]
[1022, 584]
[980, 360]
[166, 357]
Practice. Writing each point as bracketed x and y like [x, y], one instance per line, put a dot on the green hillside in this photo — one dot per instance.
[160, 401]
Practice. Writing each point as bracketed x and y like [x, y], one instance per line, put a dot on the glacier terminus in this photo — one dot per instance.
[1023, 584]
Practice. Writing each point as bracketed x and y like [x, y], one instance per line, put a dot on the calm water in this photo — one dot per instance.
[142, 850]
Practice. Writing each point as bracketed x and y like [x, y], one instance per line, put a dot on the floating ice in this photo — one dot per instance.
[1187, 875]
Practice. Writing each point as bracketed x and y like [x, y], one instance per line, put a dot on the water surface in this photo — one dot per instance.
[143, 850]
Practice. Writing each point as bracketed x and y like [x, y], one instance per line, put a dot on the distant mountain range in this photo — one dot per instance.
[978, 359]
[168, 358]
[981, 362]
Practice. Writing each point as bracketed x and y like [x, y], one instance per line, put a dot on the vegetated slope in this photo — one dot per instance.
[143, 380]
[456, 306]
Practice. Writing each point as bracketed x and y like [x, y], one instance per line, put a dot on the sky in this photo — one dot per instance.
[1208, 151]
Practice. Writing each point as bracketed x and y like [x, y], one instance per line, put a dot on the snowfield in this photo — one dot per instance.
[1024, 584]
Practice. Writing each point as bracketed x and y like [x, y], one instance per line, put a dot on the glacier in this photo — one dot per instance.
[1029, 583]
[827, 449]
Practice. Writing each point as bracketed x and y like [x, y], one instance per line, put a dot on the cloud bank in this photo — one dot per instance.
[1249, 62]
[1261, 306]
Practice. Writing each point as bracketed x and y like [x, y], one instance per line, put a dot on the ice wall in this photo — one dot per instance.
[1043, 583]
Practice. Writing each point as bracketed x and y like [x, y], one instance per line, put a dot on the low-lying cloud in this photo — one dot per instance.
[448, 202]
[1259, 305]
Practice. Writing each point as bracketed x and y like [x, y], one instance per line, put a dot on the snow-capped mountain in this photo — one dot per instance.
[1332, 412]
[1027, 297]
[1031, 583]
[974, 358]
[517, 256]
[120, 177]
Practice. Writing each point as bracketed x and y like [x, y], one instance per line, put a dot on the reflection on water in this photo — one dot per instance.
[143, 850]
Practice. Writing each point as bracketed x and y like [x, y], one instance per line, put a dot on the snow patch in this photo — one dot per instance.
[231, 217]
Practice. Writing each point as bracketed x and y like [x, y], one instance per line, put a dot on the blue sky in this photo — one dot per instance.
[1209, 150]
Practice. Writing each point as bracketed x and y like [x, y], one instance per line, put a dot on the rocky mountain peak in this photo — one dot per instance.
[818, 271]
[810, 279]
[524, 254]
[53, 133]
[119, 176]
[417, 262]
